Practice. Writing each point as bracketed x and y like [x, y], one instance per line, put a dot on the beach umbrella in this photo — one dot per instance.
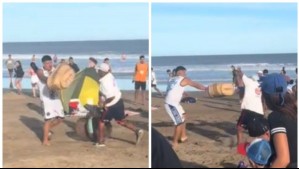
[83, 91]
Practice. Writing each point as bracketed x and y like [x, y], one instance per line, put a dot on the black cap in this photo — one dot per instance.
[257, 127]
[141, 57]
[180, 68]
[46, 58]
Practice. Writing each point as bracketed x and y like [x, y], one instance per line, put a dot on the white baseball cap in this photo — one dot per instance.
[104, 67]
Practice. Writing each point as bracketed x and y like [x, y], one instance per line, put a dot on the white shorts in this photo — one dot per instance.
[176, 113]
[52, 109]
[34, 79]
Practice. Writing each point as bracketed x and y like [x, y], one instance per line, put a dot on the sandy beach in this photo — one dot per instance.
[22, 133]
[211, 128]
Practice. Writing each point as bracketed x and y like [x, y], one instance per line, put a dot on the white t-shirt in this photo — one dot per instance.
[51, 102]
[110, 89]
[174, 91]
[253, 96]
[154, 80]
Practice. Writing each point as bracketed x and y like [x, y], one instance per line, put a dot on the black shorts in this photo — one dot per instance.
[153, 85]
[116, 112]
[141, 85]
[246, 117]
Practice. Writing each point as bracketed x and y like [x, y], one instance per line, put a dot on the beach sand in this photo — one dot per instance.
[22, 133]
[211, 128]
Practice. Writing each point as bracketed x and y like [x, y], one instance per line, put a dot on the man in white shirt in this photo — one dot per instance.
[175, 90]
[114, 105]
[251, 105]
[53, 109]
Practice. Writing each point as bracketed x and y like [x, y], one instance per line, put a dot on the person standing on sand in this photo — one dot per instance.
[175, 90]
[34, 78]
[113, 105]
[154, 82]
[234, 73]
[140, 77]
[53, 109]
[19, 74]
[251, 106]
[10, 67]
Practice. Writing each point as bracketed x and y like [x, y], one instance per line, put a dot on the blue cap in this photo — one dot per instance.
[274, 83]
[259, 151]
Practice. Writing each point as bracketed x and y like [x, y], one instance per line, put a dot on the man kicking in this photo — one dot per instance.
[53, 110]
[175, 90]
[114, 106]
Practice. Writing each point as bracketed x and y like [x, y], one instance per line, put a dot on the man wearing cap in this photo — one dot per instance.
[282, 120]
[251, 105]
[53, 110]
[73, 65]
[113, 104]
[174, 96]
[140, 77]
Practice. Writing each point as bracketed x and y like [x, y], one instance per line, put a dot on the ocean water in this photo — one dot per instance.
[216, 69]
[80, 51]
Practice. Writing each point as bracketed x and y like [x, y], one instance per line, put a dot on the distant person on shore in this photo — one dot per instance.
[265, 72]
[19, 74]
[62, 61]
[73, 65]
[55, 59]
[283, 120]
[140, 77]
[251, 105]
[169, 73]
[240, 84]
[53, 109]
[92, 62]
[114, 106]
[34, 79]
[284, 73]
[107, 61]
[10, 68]
[234, 74]
[176, 87]
[154, 82]
[33, 58]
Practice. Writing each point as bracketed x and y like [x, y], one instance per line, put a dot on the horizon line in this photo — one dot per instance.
[79, 41]
[187, 55]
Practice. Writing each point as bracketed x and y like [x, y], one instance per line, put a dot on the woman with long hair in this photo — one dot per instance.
[19, 74]
[34, 79]
[282, 120]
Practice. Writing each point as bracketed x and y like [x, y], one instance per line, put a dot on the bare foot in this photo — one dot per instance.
[175, 146]
[46, 144]
[183, 140]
